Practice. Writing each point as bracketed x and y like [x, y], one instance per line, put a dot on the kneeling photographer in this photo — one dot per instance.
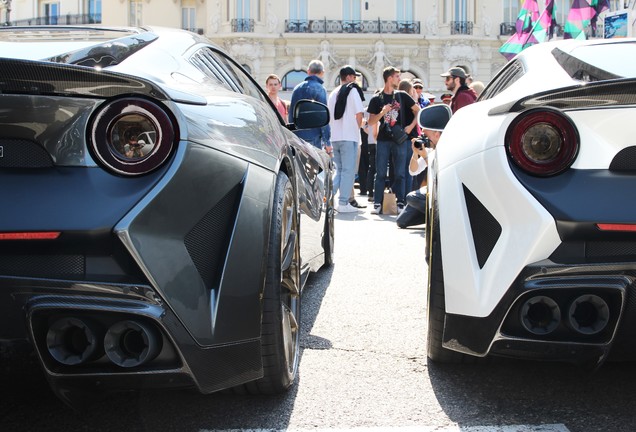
[432, 121]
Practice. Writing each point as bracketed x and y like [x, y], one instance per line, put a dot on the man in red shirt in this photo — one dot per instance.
[455, 80]
[272, 84]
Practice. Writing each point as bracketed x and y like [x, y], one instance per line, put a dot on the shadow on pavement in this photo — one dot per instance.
[510, 392]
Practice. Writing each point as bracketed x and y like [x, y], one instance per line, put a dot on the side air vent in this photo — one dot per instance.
[208, 241]
[18, 153]
[207, 62]
[486, 230]
[625, 160]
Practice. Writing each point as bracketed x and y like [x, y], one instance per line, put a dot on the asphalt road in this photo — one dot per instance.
[363, 367]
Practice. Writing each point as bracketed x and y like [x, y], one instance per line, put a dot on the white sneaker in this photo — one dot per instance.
[377, 209]
[347, 208]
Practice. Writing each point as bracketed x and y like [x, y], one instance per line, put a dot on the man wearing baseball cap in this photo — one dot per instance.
[345, 108]
[455, 80]
[419, 89]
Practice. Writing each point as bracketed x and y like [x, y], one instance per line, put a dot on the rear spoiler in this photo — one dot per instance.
[56, 79]
[607, 94]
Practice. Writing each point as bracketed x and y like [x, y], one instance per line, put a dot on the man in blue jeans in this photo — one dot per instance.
[312, 88]
[391, 107]
[345, 110]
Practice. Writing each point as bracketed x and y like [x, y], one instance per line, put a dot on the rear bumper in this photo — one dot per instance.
[556, 312]
[178, 361]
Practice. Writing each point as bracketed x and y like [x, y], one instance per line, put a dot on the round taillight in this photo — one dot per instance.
[542, 142]
[132, 136]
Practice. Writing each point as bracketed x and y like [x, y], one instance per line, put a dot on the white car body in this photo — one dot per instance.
[472, 156]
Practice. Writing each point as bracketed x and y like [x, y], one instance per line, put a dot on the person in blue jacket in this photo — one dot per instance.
[312, 88]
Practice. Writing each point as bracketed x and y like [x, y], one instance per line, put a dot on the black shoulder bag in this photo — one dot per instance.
[396, 132]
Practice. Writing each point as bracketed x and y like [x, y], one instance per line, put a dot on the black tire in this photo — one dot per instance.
[436, 306]
[280, 323]
[328, 235]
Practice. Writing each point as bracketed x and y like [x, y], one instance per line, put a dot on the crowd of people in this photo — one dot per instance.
[383, 144]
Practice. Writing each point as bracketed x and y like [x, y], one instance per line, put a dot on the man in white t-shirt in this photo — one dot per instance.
[346, 111]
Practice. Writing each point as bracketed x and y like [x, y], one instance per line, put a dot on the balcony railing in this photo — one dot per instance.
[341, 26]
[67, 19]
[242, 25]
[461, 27]
[507, 29]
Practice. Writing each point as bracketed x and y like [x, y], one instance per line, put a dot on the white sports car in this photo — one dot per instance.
[531, 226]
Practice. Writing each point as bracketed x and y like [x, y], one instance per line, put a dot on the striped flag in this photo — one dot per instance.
[527, 18]
[580, 16]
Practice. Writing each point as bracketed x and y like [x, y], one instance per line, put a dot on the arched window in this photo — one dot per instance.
[292, 79]
[406, 75]
[361, 80]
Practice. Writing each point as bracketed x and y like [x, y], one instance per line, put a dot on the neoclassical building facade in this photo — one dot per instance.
[423, 38]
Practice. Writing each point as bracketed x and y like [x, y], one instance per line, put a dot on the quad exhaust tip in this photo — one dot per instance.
[540, 315]
[588, 314]
[132, 343]
[73, 341]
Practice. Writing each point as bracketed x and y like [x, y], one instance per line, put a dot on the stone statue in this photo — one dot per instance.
[431, 22]
[379, 60]
[486, 22]
[325, 54]
[272, 19]
[215, 21]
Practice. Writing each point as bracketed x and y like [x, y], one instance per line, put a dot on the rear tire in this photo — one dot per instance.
[280, 322]
[328, 235]
[436, 307]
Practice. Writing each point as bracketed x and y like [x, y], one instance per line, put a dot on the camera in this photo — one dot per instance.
[422, 142]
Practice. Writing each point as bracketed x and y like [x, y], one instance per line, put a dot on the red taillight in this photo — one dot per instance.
[46, 235]
[132, 136]
[542, 142]
[616, 227]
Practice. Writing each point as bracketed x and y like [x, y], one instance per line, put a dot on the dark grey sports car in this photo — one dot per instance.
[158, 218]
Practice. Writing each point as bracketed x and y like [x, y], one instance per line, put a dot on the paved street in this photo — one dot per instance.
[363, 367]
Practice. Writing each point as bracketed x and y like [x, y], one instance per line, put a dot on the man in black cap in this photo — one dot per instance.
[346, 110]
[432, 121]
[455, 80]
